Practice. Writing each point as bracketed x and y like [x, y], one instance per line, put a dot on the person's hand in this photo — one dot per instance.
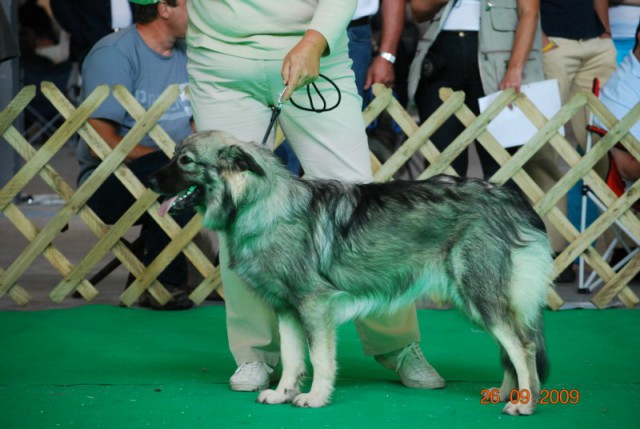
[512, 79]
[380, 71]
[301, 66]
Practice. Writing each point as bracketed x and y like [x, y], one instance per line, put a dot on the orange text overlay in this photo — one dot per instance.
[547, 396]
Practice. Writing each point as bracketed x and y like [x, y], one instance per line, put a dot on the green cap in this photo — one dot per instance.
[145, 1]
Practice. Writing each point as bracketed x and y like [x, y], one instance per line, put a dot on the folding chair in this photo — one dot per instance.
[622, 236]
[42, 119]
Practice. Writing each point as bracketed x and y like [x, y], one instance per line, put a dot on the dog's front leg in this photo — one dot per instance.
[322, 344]
[292, 351]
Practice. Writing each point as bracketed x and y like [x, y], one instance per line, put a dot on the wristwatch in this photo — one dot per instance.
[388, 56]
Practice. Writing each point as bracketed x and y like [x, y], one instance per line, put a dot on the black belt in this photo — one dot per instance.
[459, 33]
[359, 22]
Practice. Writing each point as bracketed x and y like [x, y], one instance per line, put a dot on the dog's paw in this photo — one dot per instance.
[309, 400]
[518, 409]
[271, 396]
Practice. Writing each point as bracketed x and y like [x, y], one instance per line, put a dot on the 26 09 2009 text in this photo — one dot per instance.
[523, 396]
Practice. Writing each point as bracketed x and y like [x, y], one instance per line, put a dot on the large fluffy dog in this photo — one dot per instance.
[323, 252]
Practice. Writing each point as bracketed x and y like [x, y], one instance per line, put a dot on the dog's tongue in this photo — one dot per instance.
[166, 206]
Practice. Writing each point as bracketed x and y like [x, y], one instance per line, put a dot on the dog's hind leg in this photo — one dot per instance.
[523, 358]
[293, 351]
[510, 380]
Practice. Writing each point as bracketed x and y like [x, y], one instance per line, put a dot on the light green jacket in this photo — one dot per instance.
[266, 29]
[498, 22]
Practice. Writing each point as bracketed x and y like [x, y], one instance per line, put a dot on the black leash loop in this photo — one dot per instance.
[324, 107]
[275, 110]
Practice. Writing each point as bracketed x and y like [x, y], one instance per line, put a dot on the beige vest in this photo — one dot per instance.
[498, 21]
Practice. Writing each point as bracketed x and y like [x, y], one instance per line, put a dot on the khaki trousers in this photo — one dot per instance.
[233, 94]
[574, 63]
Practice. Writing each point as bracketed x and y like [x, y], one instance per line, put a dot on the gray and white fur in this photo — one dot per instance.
[322, 252]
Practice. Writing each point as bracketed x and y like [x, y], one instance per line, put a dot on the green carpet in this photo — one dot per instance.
[110, 367]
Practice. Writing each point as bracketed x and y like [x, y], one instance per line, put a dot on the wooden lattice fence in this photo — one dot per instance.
[417, 142]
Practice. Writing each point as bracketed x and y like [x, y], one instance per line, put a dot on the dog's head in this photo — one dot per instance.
[214, 173]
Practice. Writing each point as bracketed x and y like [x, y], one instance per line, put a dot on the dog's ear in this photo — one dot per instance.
[233, 158]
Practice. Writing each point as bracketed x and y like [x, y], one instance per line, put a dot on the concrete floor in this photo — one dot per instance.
[41, 277]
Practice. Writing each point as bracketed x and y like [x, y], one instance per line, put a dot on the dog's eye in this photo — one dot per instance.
[185, 160]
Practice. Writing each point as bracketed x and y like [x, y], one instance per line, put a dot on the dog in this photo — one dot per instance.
[322, 252]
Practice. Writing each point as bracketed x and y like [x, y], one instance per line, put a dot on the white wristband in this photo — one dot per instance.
[388, 56]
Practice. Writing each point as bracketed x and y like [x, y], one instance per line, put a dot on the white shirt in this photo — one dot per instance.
[120, 14]
[622, 90]
[365, 8]
[623, 21]
[465, 15]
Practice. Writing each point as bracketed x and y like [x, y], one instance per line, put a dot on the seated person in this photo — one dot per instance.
[620, 94]
[146, 58]
[628, 166]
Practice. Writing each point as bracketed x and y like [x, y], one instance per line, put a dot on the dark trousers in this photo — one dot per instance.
[455, 58]
[361, 53]
[112, 200]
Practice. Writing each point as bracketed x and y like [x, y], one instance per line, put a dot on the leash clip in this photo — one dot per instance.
[275, 112]
[280, 101]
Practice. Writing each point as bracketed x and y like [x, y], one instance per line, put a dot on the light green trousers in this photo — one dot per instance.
[233, 94]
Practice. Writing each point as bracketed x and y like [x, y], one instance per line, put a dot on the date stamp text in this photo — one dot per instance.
[547, 396]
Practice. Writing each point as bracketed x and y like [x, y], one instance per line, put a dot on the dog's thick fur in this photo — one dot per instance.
[323, 252]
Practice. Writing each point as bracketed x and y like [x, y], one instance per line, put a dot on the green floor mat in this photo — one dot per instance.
[111, 367]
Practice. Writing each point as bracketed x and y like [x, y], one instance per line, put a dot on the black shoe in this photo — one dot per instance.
[179, 301]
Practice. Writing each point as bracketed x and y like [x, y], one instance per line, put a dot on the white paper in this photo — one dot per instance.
[511, 127]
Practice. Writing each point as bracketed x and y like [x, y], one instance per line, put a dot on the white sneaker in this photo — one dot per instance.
[251, 377]
[412, 367]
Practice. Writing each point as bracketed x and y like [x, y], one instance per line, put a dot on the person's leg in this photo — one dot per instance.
[474, 90]
[333, 145]
[251, 324]
[599, 62]
[112, 200]
[288, 157]
[226, 94]
[544, 169]
[176, 273]
[427, 100]
[562, 63]
[361, 53]
[452, 58]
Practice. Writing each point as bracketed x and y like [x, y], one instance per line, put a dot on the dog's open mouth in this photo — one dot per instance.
[181, 201]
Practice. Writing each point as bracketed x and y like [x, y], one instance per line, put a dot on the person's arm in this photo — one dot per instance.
[107, 65]
[528, 15]
[108, 130]
[425, 9]
[381, 69]
[602, 10]
[628, 166]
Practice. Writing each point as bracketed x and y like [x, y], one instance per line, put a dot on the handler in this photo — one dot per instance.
[242, 54]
